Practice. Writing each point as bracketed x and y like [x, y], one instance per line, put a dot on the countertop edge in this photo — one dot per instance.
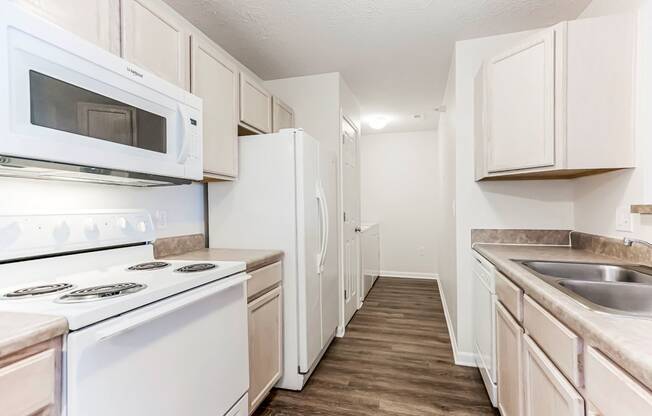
[30, 334]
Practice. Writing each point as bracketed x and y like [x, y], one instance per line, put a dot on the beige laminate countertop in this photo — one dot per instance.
[626, 340]
[255, 259]
[22, 330]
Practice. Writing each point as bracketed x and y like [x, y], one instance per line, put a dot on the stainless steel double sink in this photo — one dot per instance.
[609, 288]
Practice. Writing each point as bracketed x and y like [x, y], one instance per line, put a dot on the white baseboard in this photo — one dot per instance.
[463, 358]
[408, 275]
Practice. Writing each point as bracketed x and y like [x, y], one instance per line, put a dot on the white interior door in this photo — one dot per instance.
[351, 219]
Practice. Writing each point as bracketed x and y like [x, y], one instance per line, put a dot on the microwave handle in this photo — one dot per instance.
[168, 308]
[185, 135]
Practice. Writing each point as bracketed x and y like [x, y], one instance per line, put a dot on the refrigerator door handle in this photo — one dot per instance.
[323, 216]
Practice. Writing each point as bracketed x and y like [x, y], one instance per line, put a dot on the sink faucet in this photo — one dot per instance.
[630, 241]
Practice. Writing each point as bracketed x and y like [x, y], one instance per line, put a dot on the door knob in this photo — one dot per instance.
[358, 229]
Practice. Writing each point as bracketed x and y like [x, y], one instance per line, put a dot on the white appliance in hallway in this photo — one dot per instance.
[484, 324]
[146, 337]
[72, 110]
[279, 202]
[370, 253]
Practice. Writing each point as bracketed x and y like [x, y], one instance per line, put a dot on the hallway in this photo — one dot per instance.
[395, 359]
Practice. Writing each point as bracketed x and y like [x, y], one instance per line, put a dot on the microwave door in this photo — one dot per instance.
[71, 102]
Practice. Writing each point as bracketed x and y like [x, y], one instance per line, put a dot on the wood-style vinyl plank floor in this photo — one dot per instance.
[395, 359]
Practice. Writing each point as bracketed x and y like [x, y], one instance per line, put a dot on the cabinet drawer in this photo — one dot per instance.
[263, 279]
[561, 344]
[547, 392]
[28, 386]
[510, 295]
[613, 391]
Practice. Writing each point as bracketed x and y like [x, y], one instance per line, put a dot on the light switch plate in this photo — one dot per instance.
[624, 219]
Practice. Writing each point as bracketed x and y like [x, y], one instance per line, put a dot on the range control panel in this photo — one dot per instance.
[34, 235]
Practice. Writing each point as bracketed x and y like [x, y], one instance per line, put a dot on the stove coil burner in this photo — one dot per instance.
[198, 267]
[38, 290]
[152, 265]
[101, 292]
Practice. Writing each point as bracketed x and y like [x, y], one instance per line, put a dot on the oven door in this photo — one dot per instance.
[186, 355]
[72, 102]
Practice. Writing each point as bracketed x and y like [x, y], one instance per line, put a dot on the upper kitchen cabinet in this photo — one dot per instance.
[255, 105]
[156, 38]
[97, 21]
[560, 104]
[282, 115]
[214, 78]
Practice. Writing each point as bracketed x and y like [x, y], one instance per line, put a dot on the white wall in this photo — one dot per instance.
[446, 197]
[184, 205]
[513, 204]
[597, 198]
[399, 182]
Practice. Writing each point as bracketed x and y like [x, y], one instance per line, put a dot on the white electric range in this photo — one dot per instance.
[147, 337]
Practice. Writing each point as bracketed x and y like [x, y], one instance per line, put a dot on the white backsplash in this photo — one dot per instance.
[175, 210]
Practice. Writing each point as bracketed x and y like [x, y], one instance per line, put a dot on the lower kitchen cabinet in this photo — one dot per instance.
[509, 344]
[547, 392]
[611, 390]
[29, 382]
[265, 335]
[544, 368]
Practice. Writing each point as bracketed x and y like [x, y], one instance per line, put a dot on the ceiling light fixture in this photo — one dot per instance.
[377, 122]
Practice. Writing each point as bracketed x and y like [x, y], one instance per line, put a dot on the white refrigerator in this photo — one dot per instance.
[279, 202]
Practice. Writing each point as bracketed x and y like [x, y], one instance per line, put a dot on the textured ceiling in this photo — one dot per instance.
[394, 54]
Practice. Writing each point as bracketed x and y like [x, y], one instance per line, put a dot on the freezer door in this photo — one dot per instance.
[309, 245]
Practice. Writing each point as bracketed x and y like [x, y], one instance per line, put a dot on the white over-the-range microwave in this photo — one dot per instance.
[71, 110]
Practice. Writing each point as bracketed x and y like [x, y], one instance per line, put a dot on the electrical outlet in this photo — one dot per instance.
[624, 219]
[422, 251]
[161, 219]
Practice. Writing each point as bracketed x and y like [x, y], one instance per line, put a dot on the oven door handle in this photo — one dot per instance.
[170, 306]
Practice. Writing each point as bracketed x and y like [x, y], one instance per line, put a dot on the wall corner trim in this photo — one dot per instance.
[463, 358]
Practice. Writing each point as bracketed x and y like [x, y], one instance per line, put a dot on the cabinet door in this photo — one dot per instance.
[509, 357]
[520, 100]
[28, 387]
[283, 115]
[265, 345]
[547, 392]
[97, 21]
[157, 39]
[215, 79]
[255, 105]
